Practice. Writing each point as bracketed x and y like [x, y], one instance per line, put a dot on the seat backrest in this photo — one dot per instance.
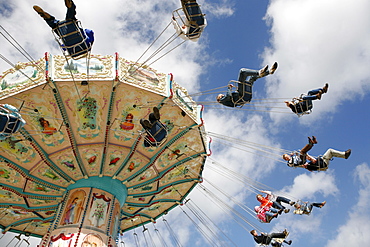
[9, 124]
[4, 119]
[73, 38]
[156, 135]
[302, 106]
[194, 14]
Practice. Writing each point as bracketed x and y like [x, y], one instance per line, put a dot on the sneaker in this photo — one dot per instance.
[291, 203]
[68, 3]
[286, 210]
[347, 153]
[156, 113]
[41, 12]
[325, 88]
[264, 71]
[318, 96]
[289, 242]
[323, 204]
[286, 233]
[145, 123]
[273, 68]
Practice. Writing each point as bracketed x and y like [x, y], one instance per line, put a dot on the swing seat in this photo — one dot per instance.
[322, 166]
[302, 107]
[10, 123]
[302, 208]
[72, 38]
[281, 240]
[155, 136]
[268, 219]
[189, 20]
[238, 99]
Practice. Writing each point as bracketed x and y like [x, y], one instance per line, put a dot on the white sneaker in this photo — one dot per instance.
[264, 71]
[273, 68]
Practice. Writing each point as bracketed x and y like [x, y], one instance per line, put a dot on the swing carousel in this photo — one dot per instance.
[78, 173]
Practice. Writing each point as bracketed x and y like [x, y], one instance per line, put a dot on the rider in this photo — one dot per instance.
[270, 200]
[267, 239]
[71, 15]
[157, 131]
[298, 159]
[244, 93]
[305, 103]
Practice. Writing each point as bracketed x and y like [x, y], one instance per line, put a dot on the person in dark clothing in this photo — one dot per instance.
[156, 131]
[75, 40]
[245, 83]
[267, 239]
[296, 159]
[304, 103]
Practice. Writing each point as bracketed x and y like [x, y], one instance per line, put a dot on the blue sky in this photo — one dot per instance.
[313, 41]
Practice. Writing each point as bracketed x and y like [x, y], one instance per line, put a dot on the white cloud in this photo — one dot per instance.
[305, 186]
[355, 232]
[224, 8]
[316, 42]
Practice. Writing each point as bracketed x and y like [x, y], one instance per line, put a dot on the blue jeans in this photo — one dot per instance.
[272, 212]
[311, 95]
[280, 199]
[247, 77]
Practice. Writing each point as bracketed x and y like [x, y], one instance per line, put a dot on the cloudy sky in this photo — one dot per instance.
[314, 41]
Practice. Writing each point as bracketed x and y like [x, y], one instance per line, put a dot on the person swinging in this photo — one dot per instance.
[75, 40]
[303, 104]
[156, 131]
[246, 79]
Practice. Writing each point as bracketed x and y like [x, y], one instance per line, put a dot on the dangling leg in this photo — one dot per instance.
[145, 123]
[154, 116]
[288, 242]
[285, 200]
[277, 205]
[330, 153]
[308, 147]
[325, 88]
[244, 73]
[271, 214]
[277, 235]
[319, 204]
[50, 20]
[245, 86]
[314, 94]
[71, 10]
